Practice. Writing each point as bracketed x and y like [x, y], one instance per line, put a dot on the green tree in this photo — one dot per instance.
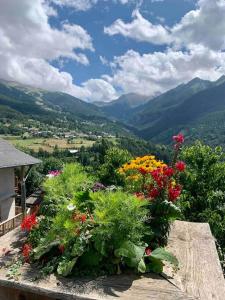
[113, 159]
[203, 198]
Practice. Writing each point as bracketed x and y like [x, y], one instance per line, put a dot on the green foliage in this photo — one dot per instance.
[34, 180]
[158, 256]
[162, 254]
[60, 188]
[203, 199]
[51, 164]
[133, 255]
[84, 232]
[113, 159]
[65, 267]
[120, 217]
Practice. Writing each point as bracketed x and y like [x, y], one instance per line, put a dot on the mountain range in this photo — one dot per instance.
[20, 104]
[196, 108]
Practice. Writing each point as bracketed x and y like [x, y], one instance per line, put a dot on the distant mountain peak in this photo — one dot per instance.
[220, 80]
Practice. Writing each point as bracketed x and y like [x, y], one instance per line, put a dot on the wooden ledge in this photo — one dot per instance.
[199, 277]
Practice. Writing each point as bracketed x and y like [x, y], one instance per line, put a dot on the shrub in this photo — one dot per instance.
[203, 198]
[113, 159]
[60, 188]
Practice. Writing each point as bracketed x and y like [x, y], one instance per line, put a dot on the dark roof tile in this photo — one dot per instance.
[12, 157]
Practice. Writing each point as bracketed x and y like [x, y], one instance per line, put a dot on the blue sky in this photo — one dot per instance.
[104, 14]
[97, 50]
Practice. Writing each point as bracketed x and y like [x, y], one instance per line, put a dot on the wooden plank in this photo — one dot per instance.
[200, 274]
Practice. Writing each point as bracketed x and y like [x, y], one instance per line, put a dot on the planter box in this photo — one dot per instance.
[199, 277]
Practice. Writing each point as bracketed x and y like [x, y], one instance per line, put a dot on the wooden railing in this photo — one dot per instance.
[12, 223]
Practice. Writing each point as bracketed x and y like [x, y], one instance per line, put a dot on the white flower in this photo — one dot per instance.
[50, 176]
[71, 206]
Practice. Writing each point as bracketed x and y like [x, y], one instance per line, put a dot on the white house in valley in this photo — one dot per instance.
[10, 160]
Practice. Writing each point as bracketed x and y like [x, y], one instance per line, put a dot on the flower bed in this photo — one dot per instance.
[83, 228]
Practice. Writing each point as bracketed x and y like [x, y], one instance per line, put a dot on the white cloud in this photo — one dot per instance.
[203, 26]
[79, 5]
[99, 90]
[28, 43]
[103, 60]
[24, 25]
[140, 29]
[157, 72]
[83, 5]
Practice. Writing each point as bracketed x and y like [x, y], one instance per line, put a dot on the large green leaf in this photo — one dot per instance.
[156, 265]
[42, 249]
[162, 254]
[142, 266]
[131, 252]
[65, 267]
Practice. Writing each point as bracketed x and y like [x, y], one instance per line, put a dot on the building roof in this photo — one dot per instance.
[12, 157]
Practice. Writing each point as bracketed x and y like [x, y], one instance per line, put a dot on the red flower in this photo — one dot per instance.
[61, 248]
[174, 192]
[148, 251]
[168, 171]
[180, 166]
[139, 195]
[29, 222]
[142, 171]
[154, 192]
[159, 177]
[83, 218]
[27, 248]
[179, 138]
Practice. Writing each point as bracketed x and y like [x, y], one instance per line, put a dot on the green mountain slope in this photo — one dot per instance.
[53, 108]
[122, 108]
[201, 112]
[151, 112]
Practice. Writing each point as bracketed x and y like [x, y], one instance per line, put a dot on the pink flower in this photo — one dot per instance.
[53, 173]
[179, 138]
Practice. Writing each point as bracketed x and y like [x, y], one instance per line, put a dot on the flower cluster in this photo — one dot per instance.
[140, 166]
[164, 178]
[54, 173]
[29, 222]
[80, 217]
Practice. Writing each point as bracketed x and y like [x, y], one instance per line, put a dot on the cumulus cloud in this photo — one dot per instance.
[140, 29]
[99, 90]
[203, 26]
[157, 72]
[28, 43]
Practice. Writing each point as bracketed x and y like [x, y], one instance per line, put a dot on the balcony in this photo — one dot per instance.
[11, 223]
